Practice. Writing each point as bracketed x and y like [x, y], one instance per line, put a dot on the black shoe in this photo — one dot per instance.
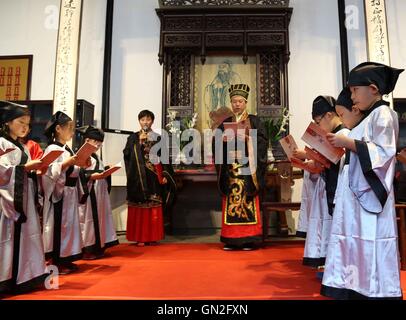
[229, 247]
[248, 247]
[72, 266]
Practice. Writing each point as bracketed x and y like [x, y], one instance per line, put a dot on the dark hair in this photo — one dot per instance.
[146, 113]
[51, 135]
[5, 130]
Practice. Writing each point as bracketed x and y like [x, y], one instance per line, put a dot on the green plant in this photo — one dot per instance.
[276, 127]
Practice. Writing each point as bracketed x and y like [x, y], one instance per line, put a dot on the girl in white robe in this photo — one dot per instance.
[321, 208]
[96, 219]
[61, 225]
[363, 258]
[22, 263]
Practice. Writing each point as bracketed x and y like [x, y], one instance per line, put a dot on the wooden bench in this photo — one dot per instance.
[401, 219]
[279, 207]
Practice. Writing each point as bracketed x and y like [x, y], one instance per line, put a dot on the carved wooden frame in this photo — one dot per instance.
[200, 28]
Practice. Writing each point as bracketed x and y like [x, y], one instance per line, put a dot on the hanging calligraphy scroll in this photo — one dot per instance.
[67, 57]
[377, 33]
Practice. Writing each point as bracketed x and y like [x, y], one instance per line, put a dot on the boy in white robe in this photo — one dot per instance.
[363, 258]
[321, 209]
[96, 219]
[22, 263]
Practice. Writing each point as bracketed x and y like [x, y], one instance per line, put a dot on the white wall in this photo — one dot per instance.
[29, 27]
[136, 77]
[315, 66]
[396, 20]
[91, 57]
[357, 45]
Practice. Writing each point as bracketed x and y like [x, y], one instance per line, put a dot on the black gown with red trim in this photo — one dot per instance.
[241, 194]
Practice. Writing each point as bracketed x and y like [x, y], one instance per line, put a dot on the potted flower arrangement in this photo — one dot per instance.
[176, 126]
[275, 129]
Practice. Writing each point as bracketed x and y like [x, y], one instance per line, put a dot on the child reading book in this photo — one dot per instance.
[95, 213]
[61, 226]
[363, 258]
[22, 263]
[322, 204]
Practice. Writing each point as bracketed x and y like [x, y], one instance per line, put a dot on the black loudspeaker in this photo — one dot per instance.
[84, 117]
[41, 112]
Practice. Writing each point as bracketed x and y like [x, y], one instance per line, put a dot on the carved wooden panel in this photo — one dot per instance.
[224, 40]
[183, 23]
[193, 29]
[182, 40]
[266, 23]
[180, 79]
[206, 3]
[217, 23]
[266, 39]
[270, 79]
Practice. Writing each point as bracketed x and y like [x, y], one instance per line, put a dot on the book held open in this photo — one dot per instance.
[111, 170]
[289, 145]
[51, 157]
[85, 152]
[242, 125]
[305, 166]
[315, 156]
[316, 137]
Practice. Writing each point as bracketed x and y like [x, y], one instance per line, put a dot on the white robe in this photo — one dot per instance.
[363, 257]
[309, 183]
[31, 267]
[319, 224]
[106, 236]
[55, 191]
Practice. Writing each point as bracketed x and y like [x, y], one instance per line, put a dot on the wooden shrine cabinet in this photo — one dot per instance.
[194, 32]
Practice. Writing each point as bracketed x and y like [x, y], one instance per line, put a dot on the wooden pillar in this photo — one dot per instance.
[401, 213]
[285, 182]
[67, 57]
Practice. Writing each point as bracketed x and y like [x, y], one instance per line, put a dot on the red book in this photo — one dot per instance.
[316, 137]
[305, 166]
[289, 145]
[316, 156]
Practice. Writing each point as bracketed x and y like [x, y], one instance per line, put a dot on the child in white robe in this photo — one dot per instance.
[61, 226]
[363, 258]
[22, 263]
[309, 182]
[95, 213]
[321, 209]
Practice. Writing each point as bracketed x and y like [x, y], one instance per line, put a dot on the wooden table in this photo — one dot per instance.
[280, 177]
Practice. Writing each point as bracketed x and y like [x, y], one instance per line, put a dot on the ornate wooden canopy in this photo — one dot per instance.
[193, 29]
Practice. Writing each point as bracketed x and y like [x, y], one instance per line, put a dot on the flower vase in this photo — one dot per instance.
[270, 158]
[181, 158]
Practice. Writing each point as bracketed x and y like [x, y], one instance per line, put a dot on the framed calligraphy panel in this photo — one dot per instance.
[15, 77]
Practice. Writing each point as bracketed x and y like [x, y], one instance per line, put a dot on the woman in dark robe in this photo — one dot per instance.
[146, 182]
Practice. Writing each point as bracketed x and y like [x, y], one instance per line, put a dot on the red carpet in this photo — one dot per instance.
[190, 271]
